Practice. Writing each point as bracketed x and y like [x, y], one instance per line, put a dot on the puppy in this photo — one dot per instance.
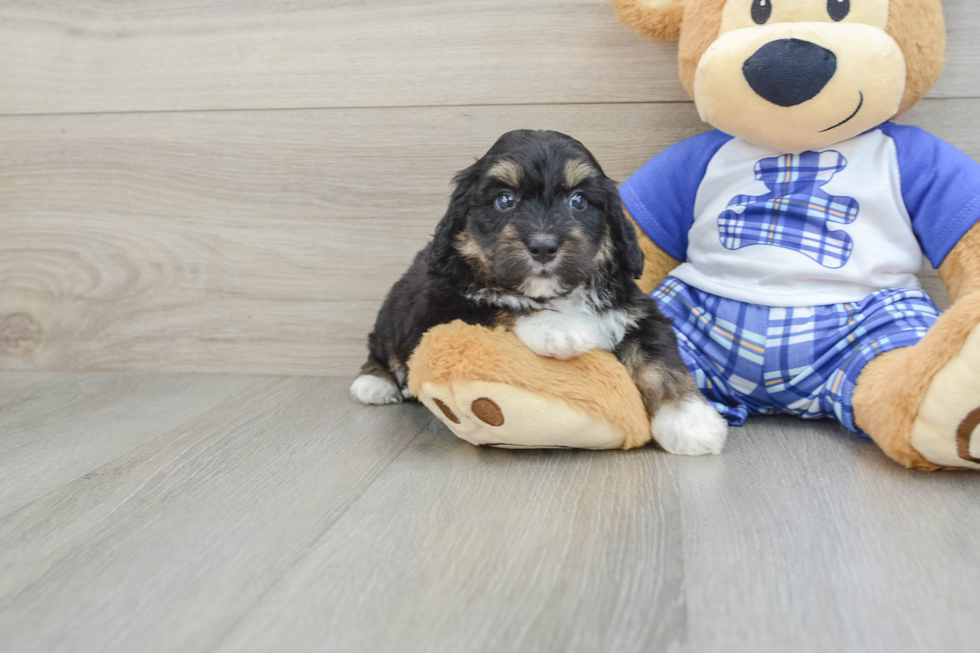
[535, 241]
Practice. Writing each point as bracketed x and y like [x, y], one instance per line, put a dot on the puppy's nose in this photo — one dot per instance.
[543, 248]
[789, 71]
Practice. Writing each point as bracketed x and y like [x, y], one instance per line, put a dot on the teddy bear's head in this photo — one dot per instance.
[797, 75]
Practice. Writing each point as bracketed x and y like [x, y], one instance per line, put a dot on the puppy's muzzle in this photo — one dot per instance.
[543, 249]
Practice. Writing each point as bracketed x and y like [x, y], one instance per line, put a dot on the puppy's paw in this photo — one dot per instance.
[559, 343]
[373, 390]
[691, 429]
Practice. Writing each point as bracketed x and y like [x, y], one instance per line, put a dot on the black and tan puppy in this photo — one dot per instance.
[535, 240]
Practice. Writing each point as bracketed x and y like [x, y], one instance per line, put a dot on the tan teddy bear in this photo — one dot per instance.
[784, 245]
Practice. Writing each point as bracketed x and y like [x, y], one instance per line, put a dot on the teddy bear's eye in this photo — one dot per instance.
[762, 10]
[838, 9]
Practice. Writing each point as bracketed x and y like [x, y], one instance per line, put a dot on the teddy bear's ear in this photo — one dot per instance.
[659, 19]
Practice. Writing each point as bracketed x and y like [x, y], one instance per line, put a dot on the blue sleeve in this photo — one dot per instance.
[660, 195]
[940, 187]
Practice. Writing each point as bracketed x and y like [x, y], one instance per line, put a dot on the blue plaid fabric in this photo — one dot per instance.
[760, 360]
[795, 214]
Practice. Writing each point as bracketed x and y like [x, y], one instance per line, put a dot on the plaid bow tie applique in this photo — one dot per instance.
[797, 213]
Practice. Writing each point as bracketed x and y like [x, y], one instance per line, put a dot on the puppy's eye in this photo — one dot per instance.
[762, 10]
[838, 9]
[505, 201]
[578, 202]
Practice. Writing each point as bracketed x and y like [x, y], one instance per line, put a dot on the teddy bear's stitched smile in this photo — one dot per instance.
[849, 118]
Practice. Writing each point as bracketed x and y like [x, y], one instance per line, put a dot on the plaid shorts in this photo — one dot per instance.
[760, 360]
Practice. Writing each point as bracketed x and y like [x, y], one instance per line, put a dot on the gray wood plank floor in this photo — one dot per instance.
[208, 513]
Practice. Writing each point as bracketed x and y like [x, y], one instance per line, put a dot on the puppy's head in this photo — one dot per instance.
[535, 217]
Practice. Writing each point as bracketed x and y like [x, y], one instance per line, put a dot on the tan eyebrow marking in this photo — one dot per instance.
[577, 171]
[507, 172]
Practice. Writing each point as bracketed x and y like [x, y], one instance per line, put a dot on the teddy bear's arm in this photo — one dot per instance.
[960, 271]
[657, 263]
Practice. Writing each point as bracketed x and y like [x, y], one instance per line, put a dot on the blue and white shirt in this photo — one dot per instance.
[811, 229]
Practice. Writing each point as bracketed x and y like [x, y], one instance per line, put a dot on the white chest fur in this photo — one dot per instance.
[570, 326]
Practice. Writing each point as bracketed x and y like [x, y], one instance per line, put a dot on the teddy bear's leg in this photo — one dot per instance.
[489, 389]
[921, 404]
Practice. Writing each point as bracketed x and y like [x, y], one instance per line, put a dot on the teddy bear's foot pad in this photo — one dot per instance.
[947, 429]
[500, 415]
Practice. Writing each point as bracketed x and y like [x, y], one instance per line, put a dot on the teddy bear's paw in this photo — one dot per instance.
[375, 391]
[691, 429]
[501, 415]
[947, 429]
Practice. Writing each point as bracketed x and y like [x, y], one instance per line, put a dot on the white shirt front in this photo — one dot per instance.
[880, 248]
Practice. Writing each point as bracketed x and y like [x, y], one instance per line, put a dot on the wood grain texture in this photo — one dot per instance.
[258, 242]
[59, 432]
[289, 518]
[22, 384]
[497, 551]
[803, 537]
[71, 56]
[167, 546]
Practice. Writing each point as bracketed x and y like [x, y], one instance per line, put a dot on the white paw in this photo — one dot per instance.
[562, 344]
[371, 390]
[692, 429]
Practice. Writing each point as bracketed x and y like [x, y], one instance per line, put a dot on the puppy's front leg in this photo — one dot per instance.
[682, 421]
[563, 335]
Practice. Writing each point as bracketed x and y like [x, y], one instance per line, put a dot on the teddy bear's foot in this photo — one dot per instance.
[920, 404]
[502, 415]
[691, 429]
[947, 429]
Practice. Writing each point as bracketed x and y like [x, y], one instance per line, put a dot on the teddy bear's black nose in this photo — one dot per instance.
[789, 71]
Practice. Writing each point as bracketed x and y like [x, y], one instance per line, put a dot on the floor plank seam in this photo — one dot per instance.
[341, 108]
[319, 536]
[127, 452]
[396, 107]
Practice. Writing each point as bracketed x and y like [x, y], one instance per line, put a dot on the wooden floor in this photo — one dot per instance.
[217, 513]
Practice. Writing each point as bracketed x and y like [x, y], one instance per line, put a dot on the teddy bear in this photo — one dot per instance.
[784, 245]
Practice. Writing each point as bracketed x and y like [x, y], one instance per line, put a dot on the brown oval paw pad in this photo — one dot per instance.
[964, 433]
[446, 410]
[487, 411]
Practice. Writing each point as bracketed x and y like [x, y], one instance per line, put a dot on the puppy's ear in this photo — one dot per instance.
[442, 251]
[627, 249]
[658, 19]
